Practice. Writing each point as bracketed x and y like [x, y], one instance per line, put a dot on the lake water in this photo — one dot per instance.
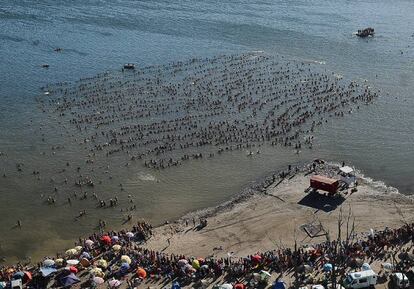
[98, 36]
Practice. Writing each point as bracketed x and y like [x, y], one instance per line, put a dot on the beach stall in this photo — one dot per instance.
[323, 183]
[347, 175]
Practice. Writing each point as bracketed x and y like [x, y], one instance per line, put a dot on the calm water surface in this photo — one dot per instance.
[102, 35]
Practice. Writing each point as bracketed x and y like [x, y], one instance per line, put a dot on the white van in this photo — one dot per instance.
[400, 280]
[362, 279]
[16, 284]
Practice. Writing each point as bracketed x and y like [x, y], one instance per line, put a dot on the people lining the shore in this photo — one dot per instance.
[112, 247]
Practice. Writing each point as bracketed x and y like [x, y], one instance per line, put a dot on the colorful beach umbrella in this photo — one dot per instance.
[182, 262]
[116, 247]
[59, 261]
[196, 264]
[71, 252]
[106, 240]
[327, 267]
[89, 243]
[256, 258]
[176, 285]
[114, 283]
[85, 255]
[85, 262]
[98, 280]
[18, 275]
[101, 263]
[125, 259]
[97, 272]
[78, 248]
[239, 286]
[48, 263]
[72, 262]
[141, 273]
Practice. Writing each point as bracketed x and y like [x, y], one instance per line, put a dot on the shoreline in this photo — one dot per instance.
[255, 187]
[270, 215]
[258, 188]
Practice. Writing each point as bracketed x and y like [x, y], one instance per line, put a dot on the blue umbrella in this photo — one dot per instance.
[124, 268]
[18, 275]
[85, 255]
[176, 285]
[69, 280]
[279, 285]
[327, 267]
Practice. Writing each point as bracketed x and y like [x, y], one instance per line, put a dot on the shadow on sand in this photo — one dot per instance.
[322, 202]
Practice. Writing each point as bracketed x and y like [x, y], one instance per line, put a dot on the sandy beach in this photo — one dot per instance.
[271, 218]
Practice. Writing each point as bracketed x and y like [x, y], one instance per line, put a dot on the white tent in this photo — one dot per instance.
[347, 170]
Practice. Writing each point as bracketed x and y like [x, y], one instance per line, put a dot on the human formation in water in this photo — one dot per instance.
[165, 115]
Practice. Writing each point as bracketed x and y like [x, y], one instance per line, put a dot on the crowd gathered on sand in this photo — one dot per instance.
[114, 258]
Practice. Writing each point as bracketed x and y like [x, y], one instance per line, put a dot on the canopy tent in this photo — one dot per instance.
[46, 271]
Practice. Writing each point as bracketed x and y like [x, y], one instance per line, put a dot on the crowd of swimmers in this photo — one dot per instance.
[162, 116]
[112, 247]
[165, 115]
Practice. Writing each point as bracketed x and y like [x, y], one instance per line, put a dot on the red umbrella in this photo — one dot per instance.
[256, 258]
[239, 286]
[106, 240]
[73, 269]
[27, 276]
[141, 273]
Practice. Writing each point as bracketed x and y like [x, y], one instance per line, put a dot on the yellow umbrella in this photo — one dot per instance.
[196, 264]
[125, 259]
[116, 247]
[78, 249]
[59, 262]
[97, 272]
[101, 263]
[71, 252]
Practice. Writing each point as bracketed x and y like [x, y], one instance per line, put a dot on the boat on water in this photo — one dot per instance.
[366, 32]
[129, 66]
